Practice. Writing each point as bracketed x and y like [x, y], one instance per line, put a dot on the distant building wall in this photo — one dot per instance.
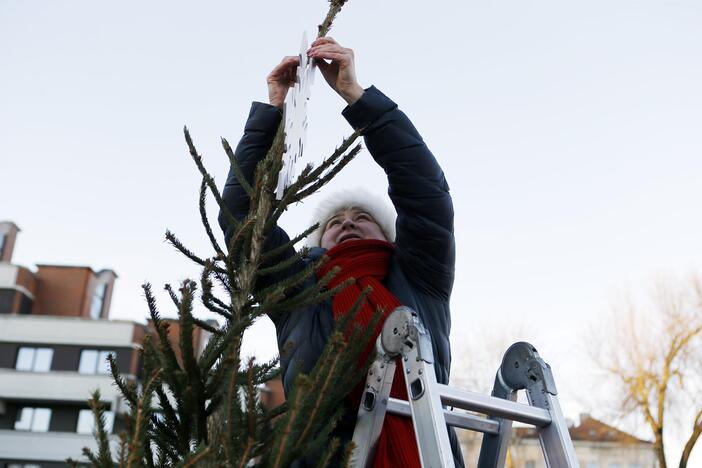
[62, 291]
[597, 445]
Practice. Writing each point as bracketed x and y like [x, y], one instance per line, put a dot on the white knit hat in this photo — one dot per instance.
[358, 197]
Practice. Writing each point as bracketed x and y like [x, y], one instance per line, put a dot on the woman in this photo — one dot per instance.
[409, 261]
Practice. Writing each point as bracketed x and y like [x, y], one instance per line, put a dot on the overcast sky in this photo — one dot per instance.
[570, 134]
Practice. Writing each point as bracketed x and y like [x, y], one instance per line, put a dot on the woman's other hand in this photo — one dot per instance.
[340, 73]
[281, 79]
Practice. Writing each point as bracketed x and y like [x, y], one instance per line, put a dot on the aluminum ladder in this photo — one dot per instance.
[404, 339]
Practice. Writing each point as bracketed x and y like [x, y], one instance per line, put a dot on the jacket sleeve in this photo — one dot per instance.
[425, 245]
[259, 133]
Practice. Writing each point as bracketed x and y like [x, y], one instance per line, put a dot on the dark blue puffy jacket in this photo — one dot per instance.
[422, 267]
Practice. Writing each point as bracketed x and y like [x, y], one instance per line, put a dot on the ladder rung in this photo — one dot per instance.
[453, 418]
[494, 406]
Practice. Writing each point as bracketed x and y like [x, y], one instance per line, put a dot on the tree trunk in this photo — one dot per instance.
[689, 446]
[660, 452]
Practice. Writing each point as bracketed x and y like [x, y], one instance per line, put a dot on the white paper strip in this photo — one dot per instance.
[295, 115]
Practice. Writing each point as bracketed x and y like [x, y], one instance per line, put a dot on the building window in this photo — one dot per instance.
[93, 361]
[98, 301]
[7, 300]
[2, 244]
[33, 419]
[530, 464]
[86, 421]
[34, 359]
[592, 465]
[26, 304]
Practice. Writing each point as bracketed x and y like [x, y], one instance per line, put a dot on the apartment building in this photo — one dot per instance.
[55, 337]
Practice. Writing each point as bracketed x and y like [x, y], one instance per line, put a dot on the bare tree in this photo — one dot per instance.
[655, 358]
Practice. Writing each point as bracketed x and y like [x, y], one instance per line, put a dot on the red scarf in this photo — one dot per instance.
[367, 261]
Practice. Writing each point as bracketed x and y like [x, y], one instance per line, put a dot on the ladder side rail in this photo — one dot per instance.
[523, 368]
[404, 335]
[427, 413]
[554, 439]
[493, 450]
[372, 409]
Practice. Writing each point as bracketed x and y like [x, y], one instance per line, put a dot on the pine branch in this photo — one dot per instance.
[251, 396]
[247, 452]
[233, 402]
[223, 281]
[288, 194]
[92, 458]
[104, 455]
[329, 376]
[208, 179]
[311, 295]
[346, 458]
[138, 444]
[338, 153]
[240, 235]
[271, 294]
[205, 221]
[217, 345]
[122, 451]
[284, 264]
[172, 295]
[170, 237]
[329, 453]
[192, 372]
[237, 169]
[293, 413]
[310, 176]
[196, 458]
[170, 417]
[334, 9]
[207, 327]
[329, 175]
[272, 254]
[128, 389]
[170, 362]
[208, 298]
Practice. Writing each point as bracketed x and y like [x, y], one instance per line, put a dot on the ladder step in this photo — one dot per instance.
[492, 406]
[453, 418]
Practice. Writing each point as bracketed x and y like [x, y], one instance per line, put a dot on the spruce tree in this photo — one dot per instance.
[205, 410]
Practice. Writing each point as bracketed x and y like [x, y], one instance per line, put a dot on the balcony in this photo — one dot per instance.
[46, 446]
[55, 385]
[68, 330]
[18, 278]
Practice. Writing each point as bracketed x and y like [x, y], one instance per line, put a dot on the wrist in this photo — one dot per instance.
[352, 94]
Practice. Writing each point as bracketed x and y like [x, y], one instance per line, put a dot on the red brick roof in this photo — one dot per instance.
[589, 429]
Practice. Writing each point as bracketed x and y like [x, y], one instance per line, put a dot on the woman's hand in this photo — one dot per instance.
[341, 72]
[281, 79]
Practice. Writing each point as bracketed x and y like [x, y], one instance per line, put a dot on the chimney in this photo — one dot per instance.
[8, 236]
[584, 417]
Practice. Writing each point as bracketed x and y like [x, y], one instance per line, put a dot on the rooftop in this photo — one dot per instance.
[589, 430]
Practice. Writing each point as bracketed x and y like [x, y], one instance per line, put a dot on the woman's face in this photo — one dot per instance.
[350, 224]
